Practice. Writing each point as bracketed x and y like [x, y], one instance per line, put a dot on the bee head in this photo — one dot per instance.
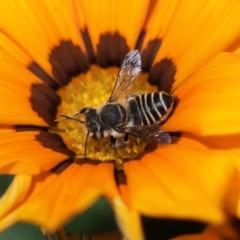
[92, 122]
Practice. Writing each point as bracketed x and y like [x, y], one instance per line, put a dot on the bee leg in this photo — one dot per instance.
[124, 143]
[113, 141]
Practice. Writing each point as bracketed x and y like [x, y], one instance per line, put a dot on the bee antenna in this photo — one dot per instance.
[71, 118]
[85, 145]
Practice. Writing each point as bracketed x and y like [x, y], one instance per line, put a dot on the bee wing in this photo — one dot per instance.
[148, 133]
[130, 68]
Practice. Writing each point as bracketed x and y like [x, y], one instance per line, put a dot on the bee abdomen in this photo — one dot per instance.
[151, 108]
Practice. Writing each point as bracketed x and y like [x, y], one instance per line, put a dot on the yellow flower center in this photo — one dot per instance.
[92, 89]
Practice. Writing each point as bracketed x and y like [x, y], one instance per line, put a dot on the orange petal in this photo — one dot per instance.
[7, 129]
[39, 27]
[111, 24]
[159, 20]
[229, 143]
[153, 4]
[209, 100]
[237, 51]
[128, 220]
[54, 198]
[232, 200]
[196, 32]
[31, 152]
[24, 98]
[10, 50]
[235, 46]
[155, 29]
[14, 195]
[184, 180]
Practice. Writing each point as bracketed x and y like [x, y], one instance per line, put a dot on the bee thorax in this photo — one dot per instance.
[113, 115]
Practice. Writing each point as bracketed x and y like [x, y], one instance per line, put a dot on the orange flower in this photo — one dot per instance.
[46, 45]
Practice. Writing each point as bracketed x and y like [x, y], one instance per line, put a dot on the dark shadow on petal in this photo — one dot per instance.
[162, 74]
[39, 72]
[175, 136]
[62, 166]
[218, 142]
[111, 50]
[44, 102]
[235, 223]
[140, 39]
[67, 60]
[54, 142]
[27, 128]
[163, 229]
[148, 54]
[120, 177]
[86, 160]
[88, 44]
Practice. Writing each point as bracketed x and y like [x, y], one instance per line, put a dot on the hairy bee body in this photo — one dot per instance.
[137, 110]
[150, 108]
[128, 114]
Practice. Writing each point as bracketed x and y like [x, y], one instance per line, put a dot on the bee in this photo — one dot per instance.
[128, 114]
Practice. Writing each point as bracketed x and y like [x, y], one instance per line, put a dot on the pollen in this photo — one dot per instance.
[93, 89]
